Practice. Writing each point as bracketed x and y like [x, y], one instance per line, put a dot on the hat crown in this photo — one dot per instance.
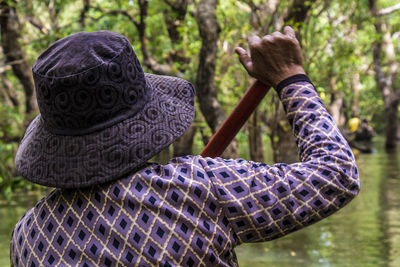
[89, 81]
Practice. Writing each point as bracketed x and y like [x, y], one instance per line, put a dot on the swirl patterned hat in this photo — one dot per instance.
[100, 115]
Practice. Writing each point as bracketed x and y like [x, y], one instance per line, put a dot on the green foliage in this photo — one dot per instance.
[336, 38]
[11, 122]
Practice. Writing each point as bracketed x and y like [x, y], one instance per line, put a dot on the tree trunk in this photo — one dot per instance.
[398, 132]
[282, 139]
[385, 79]
[184, 145]
[335, 108]
[14, 55]
[391, 109]
[206, 91]
[356, 87]
[8, 94]
[255, 137]
[84, 11]
[173, 19]
[389, 95]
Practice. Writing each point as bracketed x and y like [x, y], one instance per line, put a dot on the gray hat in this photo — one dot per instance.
[100, 115]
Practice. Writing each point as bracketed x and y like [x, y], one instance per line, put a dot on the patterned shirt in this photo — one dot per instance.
[195, 210]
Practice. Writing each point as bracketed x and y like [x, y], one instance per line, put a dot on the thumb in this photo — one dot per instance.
[245, 59]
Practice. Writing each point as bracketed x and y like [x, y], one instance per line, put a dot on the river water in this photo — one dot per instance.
[364, 233]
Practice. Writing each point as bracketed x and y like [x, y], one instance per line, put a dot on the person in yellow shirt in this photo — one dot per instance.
[354, 123]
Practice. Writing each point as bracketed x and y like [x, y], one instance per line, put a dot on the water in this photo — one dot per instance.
[365, 233]
[10, 213]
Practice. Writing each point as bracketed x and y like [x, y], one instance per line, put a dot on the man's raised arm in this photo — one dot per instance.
[263, 202]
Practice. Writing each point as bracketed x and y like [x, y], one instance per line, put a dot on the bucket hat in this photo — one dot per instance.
[101, 116]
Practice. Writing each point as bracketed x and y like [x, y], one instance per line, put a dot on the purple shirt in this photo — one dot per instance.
[195, 210]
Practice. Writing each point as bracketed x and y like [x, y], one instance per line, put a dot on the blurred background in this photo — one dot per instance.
[351, 52]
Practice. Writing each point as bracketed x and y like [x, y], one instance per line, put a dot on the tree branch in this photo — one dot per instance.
[38, 25]
[148, 61]
[299, 14]
[388, 10]
[177, 4]
[299, 11]
[173, 21]
[54, 11]
[261, 13]
[13, 52]
[173, 18]
[9, 94]
[10, 139]
[85, 9]
[116, 12]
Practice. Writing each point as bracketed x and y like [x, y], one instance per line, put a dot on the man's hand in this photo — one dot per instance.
[273, 58]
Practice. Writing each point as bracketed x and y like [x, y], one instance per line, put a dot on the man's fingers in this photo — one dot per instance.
[268, 38]
[277, 34]
[254, 40]
[244, 58]
[289, 31]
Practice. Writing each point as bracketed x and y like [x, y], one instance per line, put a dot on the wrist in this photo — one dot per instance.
[289, 72]
[291, 80]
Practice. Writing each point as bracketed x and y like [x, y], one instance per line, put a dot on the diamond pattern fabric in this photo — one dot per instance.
[194, 211]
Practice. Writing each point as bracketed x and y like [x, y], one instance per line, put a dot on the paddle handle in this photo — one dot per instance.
[231, 126]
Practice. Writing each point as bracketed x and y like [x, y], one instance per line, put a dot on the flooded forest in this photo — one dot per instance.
[351, 52]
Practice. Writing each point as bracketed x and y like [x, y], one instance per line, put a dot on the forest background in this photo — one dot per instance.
[351, 51]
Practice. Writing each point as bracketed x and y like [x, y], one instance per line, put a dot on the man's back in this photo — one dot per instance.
[161, 214]
[194, 210]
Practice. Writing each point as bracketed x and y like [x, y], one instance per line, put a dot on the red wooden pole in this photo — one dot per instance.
[231, 126]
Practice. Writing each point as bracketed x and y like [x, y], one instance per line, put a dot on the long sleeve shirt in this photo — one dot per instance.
[195, 210]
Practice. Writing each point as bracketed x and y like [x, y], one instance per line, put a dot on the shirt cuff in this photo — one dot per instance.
[292, 79]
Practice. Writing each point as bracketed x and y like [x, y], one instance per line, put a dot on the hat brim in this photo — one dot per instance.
[80, 161]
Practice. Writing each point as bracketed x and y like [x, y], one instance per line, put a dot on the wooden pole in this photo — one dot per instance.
[231, 126]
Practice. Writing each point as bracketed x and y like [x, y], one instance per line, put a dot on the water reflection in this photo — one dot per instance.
[364, 233]
[10, 213]
[390, 198]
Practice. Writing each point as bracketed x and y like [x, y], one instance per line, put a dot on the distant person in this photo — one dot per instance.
[365, 132]
[102, 118]
[354, 123]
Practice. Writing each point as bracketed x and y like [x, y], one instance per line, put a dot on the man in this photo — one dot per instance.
[102, 118]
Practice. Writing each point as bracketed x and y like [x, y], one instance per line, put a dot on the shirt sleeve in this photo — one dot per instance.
[264, 202]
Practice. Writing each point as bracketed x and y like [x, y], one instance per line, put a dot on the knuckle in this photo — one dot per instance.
[289, 41]
[276, 33]
[267, 38]
[255, 45]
